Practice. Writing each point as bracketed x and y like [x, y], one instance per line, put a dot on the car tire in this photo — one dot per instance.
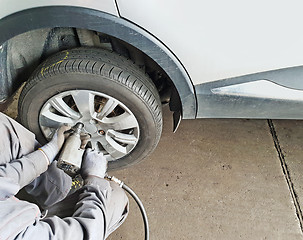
[105, 76]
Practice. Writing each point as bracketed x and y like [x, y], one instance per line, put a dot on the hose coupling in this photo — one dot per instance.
[116, 180]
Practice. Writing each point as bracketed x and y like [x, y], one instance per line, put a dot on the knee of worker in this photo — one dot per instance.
[119, 200]
[51, 187]
[15, 140]
[118, 207]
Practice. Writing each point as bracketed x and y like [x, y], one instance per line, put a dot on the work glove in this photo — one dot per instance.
[52, 148]
[94, 164]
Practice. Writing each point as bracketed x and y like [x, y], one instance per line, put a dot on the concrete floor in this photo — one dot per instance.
[219, 179]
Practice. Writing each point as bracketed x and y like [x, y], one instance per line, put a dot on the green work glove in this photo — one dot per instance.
[94, 164]
[52, 148]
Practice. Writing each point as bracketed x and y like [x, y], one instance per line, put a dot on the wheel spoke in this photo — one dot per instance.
[85, 102]
[121, 122]
[114, 153]
[52, 120]
[122, 137]
[63, 108]
[109, 106]
[114, 148]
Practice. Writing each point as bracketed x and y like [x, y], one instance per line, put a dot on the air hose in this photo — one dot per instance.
[138, 201]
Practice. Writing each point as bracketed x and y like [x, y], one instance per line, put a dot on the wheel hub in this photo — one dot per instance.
[90, 128]
[113, 127]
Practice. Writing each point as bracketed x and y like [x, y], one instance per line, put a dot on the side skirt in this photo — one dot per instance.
[274, 94]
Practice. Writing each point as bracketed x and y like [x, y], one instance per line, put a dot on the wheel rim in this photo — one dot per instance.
[114, 129]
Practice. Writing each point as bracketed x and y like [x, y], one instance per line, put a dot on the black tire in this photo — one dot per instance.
[101, 71]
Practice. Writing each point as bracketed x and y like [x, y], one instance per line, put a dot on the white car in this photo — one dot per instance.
[111, 64]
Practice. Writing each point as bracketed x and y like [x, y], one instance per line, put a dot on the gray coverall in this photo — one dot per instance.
[97, 209]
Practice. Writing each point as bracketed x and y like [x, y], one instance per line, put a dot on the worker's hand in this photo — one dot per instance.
[52, 148]
[94, 164]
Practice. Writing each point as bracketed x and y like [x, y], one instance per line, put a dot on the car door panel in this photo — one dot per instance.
[217, 40]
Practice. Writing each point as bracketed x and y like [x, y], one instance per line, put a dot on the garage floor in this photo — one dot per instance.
[219, 179]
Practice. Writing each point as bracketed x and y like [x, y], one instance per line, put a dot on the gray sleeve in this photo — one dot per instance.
[89, 221]
[51, 187]
[20, 172]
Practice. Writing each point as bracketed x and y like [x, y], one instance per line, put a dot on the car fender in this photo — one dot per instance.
[96, 20]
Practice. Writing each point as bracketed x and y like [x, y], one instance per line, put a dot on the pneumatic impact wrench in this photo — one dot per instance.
[70, 160]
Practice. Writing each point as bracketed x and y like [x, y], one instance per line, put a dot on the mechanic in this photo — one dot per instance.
[92, 212]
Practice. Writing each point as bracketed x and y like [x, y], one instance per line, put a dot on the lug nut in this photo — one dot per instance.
[101, 132]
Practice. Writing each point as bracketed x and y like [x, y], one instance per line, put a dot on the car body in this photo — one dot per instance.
[218, 59]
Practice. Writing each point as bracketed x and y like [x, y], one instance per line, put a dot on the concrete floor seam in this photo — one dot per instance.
[286, 173]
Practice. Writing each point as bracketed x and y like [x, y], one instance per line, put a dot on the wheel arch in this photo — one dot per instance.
[83, 18]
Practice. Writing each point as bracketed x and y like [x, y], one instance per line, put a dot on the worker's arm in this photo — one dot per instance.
[89, 220]
[93, 213]
[20, 172]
